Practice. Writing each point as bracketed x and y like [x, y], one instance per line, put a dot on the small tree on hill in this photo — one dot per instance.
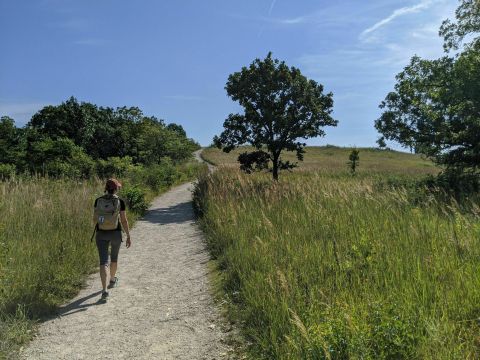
[354, 160]
[280, 107]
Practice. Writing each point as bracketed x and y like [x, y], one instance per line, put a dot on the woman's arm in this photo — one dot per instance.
[124, 221]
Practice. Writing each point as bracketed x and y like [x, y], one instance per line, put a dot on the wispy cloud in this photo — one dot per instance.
[323, 18]
[279, 21]
[272, 5]
[262, 28]
[362, 63]
[424, 4]
[291, 21]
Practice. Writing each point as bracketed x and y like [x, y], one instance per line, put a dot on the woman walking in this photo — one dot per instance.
[110, 218]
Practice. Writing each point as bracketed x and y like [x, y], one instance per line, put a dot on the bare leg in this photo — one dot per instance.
[113, 269]
[103, 275]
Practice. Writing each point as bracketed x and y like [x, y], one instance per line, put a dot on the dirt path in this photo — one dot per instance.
[197, 156]
[162, 309]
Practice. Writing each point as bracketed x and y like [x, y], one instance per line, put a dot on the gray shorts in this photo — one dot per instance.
[106, 239]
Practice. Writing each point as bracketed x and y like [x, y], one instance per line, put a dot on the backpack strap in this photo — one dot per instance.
[94, 231]
[95, 227]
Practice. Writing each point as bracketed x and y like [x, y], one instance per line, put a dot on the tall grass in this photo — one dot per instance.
[326, 266]
[45, 248]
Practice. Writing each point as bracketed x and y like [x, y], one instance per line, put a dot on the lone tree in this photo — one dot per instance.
[281, 106]
[353, 160]
[435, 107]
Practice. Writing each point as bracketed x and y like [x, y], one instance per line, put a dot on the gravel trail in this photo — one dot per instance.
[162, 309]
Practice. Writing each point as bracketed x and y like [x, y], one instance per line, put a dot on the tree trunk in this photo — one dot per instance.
[275, 167]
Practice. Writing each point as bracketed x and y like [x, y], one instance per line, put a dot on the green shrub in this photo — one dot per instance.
[84, 165]
[114, 167]
[7, 171]
[393, 335]
[61, 169]
[135, 197]
[77, 168]
[456, 182]
[160, 176]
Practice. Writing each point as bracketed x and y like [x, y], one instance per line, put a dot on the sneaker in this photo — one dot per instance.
[104, 296]
[113, 283]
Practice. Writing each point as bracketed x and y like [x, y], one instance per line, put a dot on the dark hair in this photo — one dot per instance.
[112, 185]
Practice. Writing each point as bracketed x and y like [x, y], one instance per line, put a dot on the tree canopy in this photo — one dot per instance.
[435, 106]
[71, 136]
[281, 106]
[467, 22]
[10, 141]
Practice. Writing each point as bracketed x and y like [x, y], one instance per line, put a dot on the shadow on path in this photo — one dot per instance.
[78, 305]
[175, 214]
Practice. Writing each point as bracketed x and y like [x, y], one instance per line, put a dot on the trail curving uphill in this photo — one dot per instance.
[162, 309]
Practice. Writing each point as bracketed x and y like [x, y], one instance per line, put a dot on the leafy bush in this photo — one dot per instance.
[7, 171]
[393, 335]
[161, 176]
[83, 164]
[114, 166]
[60, 169]
[59, 158]
[76, 168]
[135, 197]
[456, 182]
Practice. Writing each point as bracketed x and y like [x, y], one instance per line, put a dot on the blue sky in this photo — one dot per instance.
[172, 58]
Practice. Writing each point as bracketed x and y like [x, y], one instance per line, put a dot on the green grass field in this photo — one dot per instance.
[334, 159]
[323, 265]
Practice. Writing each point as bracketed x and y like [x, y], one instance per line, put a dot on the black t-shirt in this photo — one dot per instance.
[122, 208]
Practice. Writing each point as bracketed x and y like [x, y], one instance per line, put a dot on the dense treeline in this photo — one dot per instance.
[82, 139]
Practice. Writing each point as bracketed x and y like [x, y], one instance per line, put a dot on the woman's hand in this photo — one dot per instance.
[129, 241]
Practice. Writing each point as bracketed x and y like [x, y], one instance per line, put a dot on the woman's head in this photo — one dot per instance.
[112, 186]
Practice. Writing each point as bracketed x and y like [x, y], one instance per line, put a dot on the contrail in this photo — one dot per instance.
[272, 5]
[424, 4]
[262, 29]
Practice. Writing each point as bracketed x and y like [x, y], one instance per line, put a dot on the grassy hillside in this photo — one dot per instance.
[323, 265]
[332, 158]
